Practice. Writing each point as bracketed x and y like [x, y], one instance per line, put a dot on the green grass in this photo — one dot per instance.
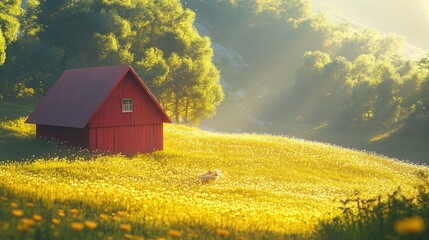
[17, 142]
[13, 110]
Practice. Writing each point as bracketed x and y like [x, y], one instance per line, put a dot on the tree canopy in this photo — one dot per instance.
[156, 37]
[9, 25]
[320, 70]
[312, 67]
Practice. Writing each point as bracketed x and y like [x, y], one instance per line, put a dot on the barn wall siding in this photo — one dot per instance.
[76, 137]
[127, 139]
[110, 112]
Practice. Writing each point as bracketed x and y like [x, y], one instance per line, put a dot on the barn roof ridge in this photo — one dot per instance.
[78, 94]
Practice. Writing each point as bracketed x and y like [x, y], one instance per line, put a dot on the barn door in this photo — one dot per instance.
[124, 139]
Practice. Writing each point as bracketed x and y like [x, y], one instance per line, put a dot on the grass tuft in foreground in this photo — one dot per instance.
[395, 216]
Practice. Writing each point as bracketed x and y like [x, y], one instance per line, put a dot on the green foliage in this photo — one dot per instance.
[353, 78]
[357, 79]
[9, 25]
[64, 34]
[368, 92]
[22, 91]
[17, 128]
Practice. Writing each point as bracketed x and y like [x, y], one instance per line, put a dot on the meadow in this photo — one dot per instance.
[272, 187]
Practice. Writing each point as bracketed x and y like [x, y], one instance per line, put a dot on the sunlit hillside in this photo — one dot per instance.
[270, 186]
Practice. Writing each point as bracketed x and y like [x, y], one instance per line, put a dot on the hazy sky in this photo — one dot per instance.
[408, 18]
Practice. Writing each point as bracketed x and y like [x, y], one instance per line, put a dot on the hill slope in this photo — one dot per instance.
[270, 185]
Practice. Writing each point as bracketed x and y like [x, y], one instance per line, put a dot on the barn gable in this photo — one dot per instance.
[110, 111]
[79, 93]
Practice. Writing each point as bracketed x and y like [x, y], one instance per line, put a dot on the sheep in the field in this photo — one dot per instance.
[210, 176]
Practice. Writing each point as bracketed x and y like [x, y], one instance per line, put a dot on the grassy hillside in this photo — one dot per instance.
[271, 187]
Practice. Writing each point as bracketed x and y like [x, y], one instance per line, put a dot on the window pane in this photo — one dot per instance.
[127, 105]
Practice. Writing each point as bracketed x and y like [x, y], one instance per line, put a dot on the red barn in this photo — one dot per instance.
[101, 108]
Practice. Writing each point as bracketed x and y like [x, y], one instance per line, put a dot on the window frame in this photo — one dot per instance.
[127, 105]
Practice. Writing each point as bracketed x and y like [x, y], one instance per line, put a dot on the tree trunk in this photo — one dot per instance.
[176, 100]
[186, 110]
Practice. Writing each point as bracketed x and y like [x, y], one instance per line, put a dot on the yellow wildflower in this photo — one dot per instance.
[77, 226]
[91, 224]
[61, 213]
[128, 236]
[28, 222]
[17, 213]
[13, 205]
[120, 213]
[125, 227]
[55, 221]
[116, 218]
[223, 233]
[73, 211]
[22, 228]
[175, 233]
[30, 204]
[104, 216]
[411, 225]
[37, 218]
[138, 238]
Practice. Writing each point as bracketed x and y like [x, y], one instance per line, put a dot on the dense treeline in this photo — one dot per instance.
[366, 92]
[156, 37]
[314, 69]
[319, 70]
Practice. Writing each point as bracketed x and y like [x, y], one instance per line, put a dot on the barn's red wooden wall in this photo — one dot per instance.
[76, 137]
[110, 112]
[139, 131]
[127, 139]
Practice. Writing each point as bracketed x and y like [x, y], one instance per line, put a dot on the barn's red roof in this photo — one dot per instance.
[78, 94]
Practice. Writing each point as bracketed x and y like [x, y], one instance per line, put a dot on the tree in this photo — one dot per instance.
[156, 37]
[188, 83]
[424, 62]
[388, 102]
[310, 86]
[9, 25]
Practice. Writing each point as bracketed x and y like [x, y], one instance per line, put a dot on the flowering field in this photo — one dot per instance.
[271, 187]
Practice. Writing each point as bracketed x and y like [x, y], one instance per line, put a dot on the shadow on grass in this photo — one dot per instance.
[18, 149]
[14, 149]
[13, 110]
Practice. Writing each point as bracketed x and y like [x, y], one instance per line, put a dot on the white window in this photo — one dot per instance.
[127, 105]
